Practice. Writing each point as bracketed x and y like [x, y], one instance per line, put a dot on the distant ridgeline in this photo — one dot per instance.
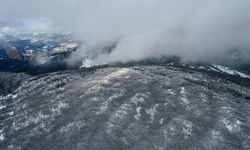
[36, 53]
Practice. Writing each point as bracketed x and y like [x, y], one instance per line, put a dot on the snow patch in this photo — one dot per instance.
[59, 107]
[2, 107]
[171, 92]
[1, 135]
[183, 95]
[230, 71]
[138, 98]
[161, 121]
[187, 129]
[122, 111]
[103, 108]
[138, 115]
[152, 112]
[203, 97]
[105, 104]
[216, 135]
[232, 125]
[10, 113]
[8, 96]
[106, 79]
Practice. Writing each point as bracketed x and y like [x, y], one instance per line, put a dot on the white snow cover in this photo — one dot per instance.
[230, 71]
[1, 135]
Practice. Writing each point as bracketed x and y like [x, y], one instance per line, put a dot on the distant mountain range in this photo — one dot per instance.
[36, 52]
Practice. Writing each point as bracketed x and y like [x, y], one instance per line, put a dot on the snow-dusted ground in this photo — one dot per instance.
[142, 107]
[220, 69]
[227, 70]
[6, 114]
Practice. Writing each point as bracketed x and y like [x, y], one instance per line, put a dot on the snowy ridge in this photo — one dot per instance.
[227, 70]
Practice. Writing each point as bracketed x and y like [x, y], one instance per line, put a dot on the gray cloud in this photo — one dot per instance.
[207, 30]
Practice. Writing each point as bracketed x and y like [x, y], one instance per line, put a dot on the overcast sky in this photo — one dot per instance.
[193, 29]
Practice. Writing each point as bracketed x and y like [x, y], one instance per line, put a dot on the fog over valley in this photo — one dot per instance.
[213, 31]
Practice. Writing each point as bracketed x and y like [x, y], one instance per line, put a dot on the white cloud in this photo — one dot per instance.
[195, 30]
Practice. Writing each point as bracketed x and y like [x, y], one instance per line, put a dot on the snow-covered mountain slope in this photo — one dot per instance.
[140, 107]
[227, 70]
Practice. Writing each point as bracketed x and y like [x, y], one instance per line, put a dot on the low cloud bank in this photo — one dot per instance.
[214, 31]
